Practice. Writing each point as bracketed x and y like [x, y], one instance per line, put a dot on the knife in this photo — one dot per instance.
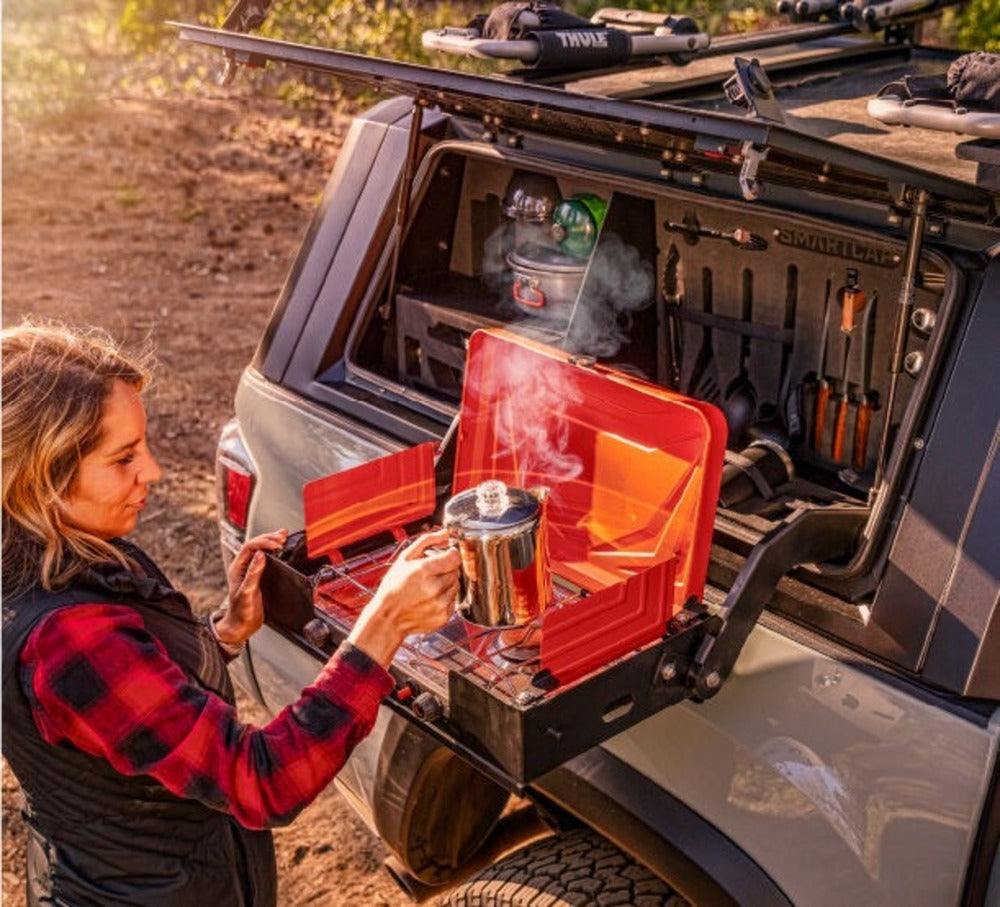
[852, 302]
[671, 305]
[822, 382]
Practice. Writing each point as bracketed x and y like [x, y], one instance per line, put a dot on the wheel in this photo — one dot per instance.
[573, 869]
[434, 809]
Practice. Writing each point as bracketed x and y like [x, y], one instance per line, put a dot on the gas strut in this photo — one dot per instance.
[403, 198]
[914, 245]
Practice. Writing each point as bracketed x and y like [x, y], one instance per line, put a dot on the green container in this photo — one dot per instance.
[576, 223]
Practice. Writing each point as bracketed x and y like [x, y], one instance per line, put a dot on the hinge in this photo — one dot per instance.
[809, 535]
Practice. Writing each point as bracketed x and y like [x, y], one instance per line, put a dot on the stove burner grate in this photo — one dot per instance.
[505, 660]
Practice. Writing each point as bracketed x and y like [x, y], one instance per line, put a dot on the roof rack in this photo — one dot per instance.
[713, 141]
[615, 39]
[936, 108]
[612, 36]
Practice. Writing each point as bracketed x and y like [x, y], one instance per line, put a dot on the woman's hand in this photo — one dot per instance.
[416, 595]
[245, 614]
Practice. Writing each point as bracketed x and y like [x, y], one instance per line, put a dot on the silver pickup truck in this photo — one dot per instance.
[811, 716]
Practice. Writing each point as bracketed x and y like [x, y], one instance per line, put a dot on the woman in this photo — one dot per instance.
[142, 786]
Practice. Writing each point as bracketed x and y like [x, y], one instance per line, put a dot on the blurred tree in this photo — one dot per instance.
[394, 26]
[143, 21]
[979, 25]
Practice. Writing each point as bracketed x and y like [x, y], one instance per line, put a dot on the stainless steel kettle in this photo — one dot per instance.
[501, 534]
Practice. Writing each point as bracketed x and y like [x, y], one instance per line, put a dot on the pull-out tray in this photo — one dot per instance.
[481, 690]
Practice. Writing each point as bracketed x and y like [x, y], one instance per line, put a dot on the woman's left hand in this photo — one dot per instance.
[245, 614]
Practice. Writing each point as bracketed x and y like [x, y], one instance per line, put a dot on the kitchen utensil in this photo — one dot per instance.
[852, 302]
[672, 339]
[781, 421]
[789, 403]
[842, 402]
[868, 399]
[821, 380]
[740, 398]
[738, 236]
[704, 381]
[501, 534]
[545, 282]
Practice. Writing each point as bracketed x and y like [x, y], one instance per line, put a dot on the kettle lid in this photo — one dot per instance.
[489, 506]
[530, 197]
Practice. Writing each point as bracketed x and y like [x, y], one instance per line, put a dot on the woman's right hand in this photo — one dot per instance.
[417, 594]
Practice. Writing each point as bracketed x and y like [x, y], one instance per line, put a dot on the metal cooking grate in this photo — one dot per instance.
[505, 661]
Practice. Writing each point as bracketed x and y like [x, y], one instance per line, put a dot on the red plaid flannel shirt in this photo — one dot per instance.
[99, 680]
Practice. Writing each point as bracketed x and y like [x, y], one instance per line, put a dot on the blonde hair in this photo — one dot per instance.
[55, 382]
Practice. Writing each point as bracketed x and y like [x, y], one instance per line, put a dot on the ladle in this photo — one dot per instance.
[740, 398]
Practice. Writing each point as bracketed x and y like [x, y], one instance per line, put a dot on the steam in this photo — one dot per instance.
[532, 428]
[618, 284]
[495, 270]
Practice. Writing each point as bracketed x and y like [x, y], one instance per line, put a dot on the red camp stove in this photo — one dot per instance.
[632, 472]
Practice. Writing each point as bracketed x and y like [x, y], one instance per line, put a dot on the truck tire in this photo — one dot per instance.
[572, 869]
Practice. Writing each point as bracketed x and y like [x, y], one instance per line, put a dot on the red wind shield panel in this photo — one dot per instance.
[383, 494]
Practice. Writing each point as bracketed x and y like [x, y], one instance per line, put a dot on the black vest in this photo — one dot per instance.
[100, 837]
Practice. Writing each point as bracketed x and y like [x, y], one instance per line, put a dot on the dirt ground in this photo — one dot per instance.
[175, 222]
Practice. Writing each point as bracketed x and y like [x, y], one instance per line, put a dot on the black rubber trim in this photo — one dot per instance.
[644, 820]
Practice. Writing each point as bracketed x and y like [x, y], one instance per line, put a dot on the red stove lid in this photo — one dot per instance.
[633, 469]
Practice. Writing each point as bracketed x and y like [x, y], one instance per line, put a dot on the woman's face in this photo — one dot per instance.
[112, 480]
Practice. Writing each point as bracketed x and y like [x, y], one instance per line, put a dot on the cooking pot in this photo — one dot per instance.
[545, 282]
[504, 580]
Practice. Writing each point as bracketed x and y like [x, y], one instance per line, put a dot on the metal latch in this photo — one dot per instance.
[244, 16]
[752, 156]
[750, 88]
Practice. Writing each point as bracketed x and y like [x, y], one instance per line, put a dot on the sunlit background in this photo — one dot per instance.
[60, 54]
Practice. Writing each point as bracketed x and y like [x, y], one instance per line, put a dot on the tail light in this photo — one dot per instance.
[236, 487]
[235, 479]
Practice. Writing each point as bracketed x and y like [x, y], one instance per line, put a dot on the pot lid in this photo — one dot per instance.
[543, 258]
[492, 505]
[531, 197]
